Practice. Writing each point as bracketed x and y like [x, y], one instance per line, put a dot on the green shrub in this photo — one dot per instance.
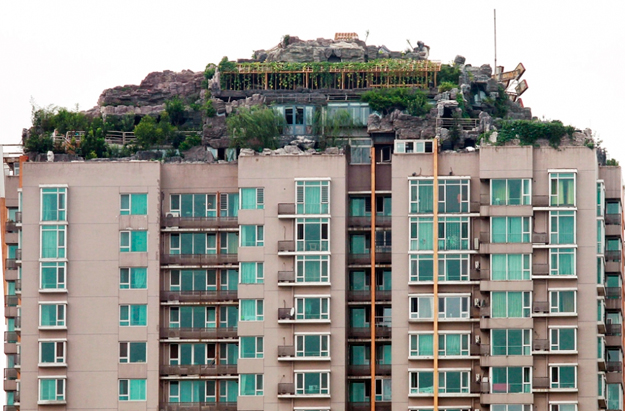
[149, 133]
[191, 141]
[225, 65]
[529, 132]
[175, 110]
[449, 73]
[256, 127]
[611, 162]
[38, 144]
[446, 86]
[209, 110]
[385, 101]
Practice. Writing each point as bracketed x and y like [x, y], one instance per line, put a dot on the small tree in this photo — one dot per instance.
[175, 109]
[256, 127]
[149, 133]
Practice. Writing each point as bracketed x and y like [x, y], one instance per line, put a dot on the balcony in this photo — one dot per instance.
[286, 314]
[10, 227]
[286, 351]
[383, 255]
[10, 263]
[201, 370]
[10, 337]
[540, 269]
[614, 377]
[10, 408]
[540, 201]
[286, 388]
[10, 373]
[10, 311]
[365, 332]
[540, 238]
[199, 296]
[613, 255]
[383, 369]
[198, 406]
[364, 222]
[358, 370]
[10, 385]
[11, 300]
[365, 295]
[540, 345]
[198, 259]
[614, 303]
[286, 210]
[613, 219]
[540, 307]
[366, 406]
[540, 383]
[286, 277]
[199, 222]
[286, 246]
[198, 333]
[613, 329]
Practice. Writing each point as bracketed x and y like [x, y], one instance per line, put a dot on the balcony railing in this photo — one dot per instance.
[613, 219]
[198, 259]
[198, 406]
[10, 227]
[614, 303]
[18, 255]
[286, 388]
[286, 351]
[383, 369]
[359, 370]
[10, 408]
[614, 366]
[198, 333]
[613, 292]
[202, 370]
[11, 300]
[540, 307]
[383, 255]
[613, 329]
[540, 345]
[286, 277]
[286, 246]
[18, 285]
[10, 263]
[199, 296]
[366, 406]
[365, 221]
[286, 209]
[365, 295]
[10, 337]
[540, 201]
[365, 332]
[613, 255]
[540, 383]
[10, 373]
[285, 314]
[200, 222]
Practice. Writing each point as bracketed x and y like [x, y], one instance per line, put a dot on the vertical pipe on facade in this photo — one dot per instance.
[372, 282]
[435, 272]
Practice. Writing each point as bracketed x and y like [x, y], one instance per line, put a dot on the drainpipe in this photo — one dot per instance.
[435, 273]
[372, 282]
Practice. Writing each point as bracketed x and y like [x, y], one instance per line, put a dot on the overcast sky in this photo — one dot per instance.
[66, 52]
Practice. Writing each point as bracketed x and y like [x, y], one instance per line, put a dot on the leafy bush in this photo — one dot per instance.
[446, 86]
[191, 141]
[209, 110]
[256, 127]
[611, 162]
[449, 73]
[414, 102]
[529, 132]
[149, 133]
[225, 65]
[175, 109]
[38, 144]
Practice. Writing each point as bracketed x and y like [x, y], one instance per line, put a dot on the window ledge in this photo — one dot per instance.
[300, 284]
[52, 402]
[304, 321]
[52, 290]
[52, 364]
[51, 328]
[304, 359]
[303, 395]
[554, 277]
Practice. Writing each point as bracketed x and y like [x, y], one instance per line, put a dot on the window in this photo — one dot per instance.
[421, 233]
[194, 243]
[510, 267]
[453, 196]
[312, 383]
[312, 269]
[298, 119]
[360, 151]
[613, 207]
[133, 315]
[52, 315]
[563, 339]
[358, 112]
[510, 192]
[53, 276]
[421, 196]
[132, 390]
[360, 206]
[421, 345]
[312, 308]
[562, 302]
[563, 376]
[511, 407]
[453, 345]
[53, 241]
[134, 204]
[132, 352]
[229, 204]
[615, 396]
[413, 146]
[422, 382]
[453, 267]
[251, 347]
[229, 243]
[453, 233]
[194, 205]
[53, 204]
[252, 236]
[453, 382]
[201, 391]
[313, 234]
[453, 307]
[251, 310]
[193, 280]
[252, 198]
[312, 197]
[562, 189]
[510, 304]
[51, 352]
[193, 354]
[510, 342]
[133, 241]
[310, 345]
[562, 261]
[421, 268]
[251, 273]
[511, 380]
[251, 384]
[421, 308]
[383, 389]
[562, 227]
[600, 236]
[133, 278]
[562, 407]
[51, 389]
[510, 229]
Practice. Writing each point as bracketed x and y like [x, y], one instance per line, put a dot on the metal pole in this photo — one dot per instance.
[373, 282]
[435, 271]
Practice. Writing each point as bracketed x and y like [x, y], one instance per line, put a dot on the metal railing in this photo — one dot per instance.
[10, 263]
[286, 388]
[10, 227]
[540, 382]
[461, 123]
[359, 370]
[540, 201]
[10, 337]
[199, 222]
[540, 269]
[365, 332]
[198, 406]
[540, 238]
[286, 209]
[613, 329]
[198, 333]
[365, 221]
[202, 370]
[199, 296]
[614, 366]
[613, 219]
[199, 259]
[286, 351]
[613, 255]
[286, 246]
[540, 307]
[383, 255]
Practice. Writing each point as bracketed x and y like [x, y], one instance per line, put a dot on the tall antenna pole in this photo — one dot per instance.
[495, 28]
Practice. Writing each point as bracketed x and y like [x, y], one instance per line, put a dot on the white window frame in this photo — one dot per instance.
[129, 283]
[465, 337]
[324, 316]
[555, 175]
[129, 195]
[464, 314]
[526, 386]
[526, 308]
[553, 406]
[464, 389]
[413, 244]
[61, 315]
[300, 194]
[554, 233]
[300, 275]
[259, 235]
[411, 314]
[553, 271]
[526, 199]
[411, 372]
[442, 235]
[465, 269]
[62, 388]
[302, 337]
[323, 242]
[412, 146]
[301, 391]
[259, 305]
[414, 193]
[526, 274]
[128, 394]
[259, 383]
[130, 315]
[464, 182]
[553, 367]
[61, 242]
[553, 347]
[61, 270]
[128, 248]
[416, 336]
[259, 345]
[56, 363]
[526, 342]
[259, 270]
[553, 304]
[260, 198]
[524, 233]
[128, 344]
[178, 209]
[58, 193]
[414, 278]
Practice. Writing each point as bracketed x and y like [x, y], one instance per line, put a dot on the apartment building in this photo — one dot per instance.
[389, 277]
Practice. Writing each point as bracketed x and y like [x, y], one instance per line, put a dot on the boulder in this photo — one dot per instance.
[198, 153]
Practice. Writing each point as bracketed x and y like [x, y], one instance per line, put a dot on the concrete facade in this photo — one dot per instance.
[287, 378]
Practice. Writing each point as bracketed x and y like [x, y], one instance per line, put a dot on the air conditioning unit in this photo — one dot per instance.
[476, 243]
[173, 215]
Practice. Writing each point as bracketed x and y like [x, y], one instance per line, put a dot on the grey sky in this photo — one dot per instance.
[66, 52]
